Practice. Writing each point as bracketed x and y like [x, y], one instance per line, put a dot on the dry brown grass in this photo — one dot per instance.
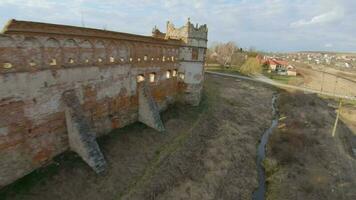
[285, 145]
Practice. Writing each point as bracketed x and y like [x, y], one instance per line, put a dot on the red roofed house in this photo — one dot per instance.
[281, 67]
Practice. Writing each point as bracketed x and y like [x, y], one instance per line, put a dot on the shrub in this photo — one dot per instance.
[286, 144]
[251, 66]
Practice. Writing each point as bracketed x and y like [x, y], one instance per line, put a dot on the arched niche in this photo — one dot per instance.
[30, 49]
[147, 52]
[154, 52]
[100, 52]
[70, 52]
[158, 51]
[123, 51]
[9, 54]
[113, 53]
[140, 50]
[169, 53]
[86, 52]
[131, 47]
[52, 53]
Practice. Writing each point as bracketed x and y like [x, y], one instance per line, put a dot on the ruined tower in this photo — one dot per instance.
[191, 56]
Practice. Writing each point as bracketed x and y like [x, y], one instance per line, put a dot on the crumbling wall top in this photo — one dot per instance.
[29, 28]
[187, 31]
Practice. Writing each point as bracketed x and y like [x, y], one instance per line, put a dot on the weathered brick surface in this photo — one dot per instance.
[38, 62]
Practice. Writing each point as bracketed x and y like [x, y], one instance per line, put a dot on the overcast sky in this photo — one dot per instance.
[270, 25]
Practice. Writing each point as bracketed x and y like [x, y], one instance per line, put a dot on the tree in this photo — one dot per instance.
[251, 66]
[224, 52]
[211, 56]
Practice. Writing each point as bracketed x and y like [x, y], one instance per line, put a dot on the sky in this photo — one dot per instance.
[267, 25]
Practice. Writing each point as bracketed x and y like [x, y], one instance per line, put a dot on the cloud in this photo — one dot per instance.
[323, 18]
[272, 25]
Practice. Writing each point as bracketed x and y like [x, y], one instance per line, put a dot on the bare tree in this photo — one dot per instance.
[224, 52]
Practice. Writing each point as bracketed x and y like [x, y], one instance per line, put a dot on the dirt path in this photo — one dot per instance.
[208, 152]
[304, 160]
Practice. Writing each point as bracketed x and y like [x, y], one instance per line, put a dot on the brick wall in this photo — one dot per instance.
[39, 62]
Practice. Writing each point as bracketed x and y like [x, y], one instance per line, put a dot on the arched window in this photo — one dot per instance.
[181, 76]
[174, 73]
[71, 61]
[7, 65]
[32, 63]
[152, 77]
[168, 74]
[195, 53]
[140, 78]
[53, 62]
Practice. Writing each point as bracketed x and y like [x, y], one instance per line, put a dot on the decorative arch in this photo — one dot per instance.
[137, 50]
[30, 49]
[100, 52]
[9, 59]
[147, 52]
[157, 52]
[52, 52]
[86, 52]
[113, 53]
[70, 52]
[123, 51]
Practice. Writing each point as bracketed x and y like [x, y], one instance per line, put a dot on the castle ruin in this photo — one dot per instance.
[61, 87]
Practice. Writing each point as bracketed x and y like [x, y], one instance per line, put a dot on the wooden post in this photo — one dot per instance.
[322, 82]
[337, 117]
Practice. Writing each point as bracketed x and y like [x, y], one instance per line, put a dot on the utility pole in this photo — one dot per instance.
[336, 81]
[322, 82]
[337, 117]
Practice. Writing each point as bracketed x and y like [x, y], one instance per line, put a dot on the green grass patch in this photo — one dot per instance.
[291, 80]
[345, 102]
[228, 70]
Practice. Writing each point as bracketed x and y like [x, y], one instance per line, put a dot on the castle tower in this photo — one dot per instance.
[192, 57]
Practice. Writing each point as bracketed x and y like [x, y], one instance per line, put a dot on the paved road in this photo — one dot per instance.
[266, 80]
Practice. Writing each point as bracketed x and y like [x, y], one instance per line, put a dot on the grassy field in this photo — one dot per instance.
[292, 80]
[303, 160]
[219, 68]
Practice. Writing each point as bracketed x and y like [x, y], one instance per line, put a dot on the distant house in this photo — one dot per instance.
[281, 67]
[274, 64]
[291, 71]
